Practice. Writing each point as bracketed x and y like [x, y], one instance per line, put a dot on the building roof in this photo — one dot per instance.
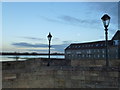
[116, 36]
[94, 45]
[88, 45]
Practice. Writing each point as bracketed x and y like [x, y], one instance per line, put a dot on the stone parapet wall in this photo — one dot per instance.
[94, 63]
[34, 63]
[62, 77]
[34, 74]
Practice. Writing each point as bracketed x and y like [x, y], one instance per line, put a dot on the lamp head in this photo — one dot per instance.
[106, 20]
[49, 36]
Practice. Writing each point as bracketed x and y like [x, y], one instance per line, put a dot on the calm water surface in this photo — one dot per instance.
[24, 57]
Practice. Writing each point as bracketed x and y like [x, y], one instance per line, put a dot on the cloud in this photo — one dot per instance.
[92, 12]
[24, 44]
[62, 46]
[50, 19]
[30, 47]
[110, 8]
[34, 50]
[66, 19]
[74, 20]
[34, 38]
[69, 19]
[69, 42]
[59, 48]
[56, 39]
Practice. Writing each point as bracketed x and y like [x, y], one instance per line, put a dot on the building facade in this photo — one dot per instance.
[94, 50]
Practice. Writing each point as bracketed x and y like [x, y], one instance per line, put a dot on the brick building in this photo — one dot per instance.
[94, 50]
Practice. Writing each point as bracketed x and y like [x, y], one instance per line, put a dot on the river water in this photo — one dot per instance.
[4, 58]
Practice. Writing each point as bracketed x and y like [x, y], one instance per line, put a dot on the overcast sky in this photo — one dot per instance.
[25, 25]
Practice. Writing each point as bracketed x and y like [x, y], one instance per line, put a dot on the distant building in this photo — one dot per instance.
[94, 50]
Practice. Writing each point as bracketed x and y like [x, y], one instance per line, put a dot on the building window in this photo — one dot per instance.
[76, 46]
[89, 55]
[101, 44]
[97, 45]
[116, 42]
[98, 56]
[119, 42]
[98, 50]
[103, 56]
[88, 51]
[68, 52]
[83, 51]
[103, 51]
[78, 52]
[69, 55]
[83, 55]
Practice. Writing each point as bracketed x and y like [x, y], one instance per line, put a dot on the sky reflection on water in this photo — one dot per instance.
[24, 57]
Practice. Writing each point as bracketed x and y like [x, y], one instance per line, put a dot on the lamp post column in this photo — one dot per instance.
[106, 45]
[49, 50]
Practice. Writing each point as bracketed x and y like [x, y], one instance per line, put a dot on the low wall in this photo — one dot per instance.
[94, 63]
[35, 75]
[51, 78]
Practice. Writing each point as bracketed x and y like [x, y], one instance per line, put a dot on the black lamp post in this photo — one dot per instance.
[106, 21]
[49, 39]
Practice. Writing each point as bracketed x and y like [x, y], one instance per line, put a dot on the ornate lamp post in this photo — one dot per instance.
[106, 21]
[49, 39]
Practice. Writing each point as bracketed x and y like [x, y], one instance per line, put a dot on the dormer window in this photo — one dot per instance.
[116, 42]
[69, 47]
[97, 45]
